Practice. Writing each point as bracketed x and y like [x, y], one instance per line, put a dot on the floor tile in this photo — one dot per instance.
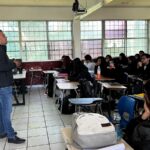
[10, 146]
[36, 125]
[36, 119]
[55, 138]
[37, 132]
[17, 121]
[42, 147]
[2, 144]
[58, 146]
[22, 133]
[39, 140]
[52, 117]
[36, 114]
[20, 116]
[54, 123]
[54, 130]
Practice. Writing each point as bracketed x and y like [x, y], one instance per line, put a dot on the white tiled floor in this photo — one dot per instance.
[39, 122]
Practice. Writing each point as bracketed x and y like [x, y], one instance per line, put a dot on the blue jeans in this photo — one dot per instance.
[5, 112]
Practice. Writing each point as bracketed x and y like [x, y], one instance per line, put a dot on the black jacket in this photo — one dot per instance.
[141, 136]
[144, 73]
[6, 66]
[138, 134]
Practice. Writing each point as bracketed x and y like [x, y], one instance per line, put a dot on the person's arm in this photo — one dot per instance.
[146, 114]
[5, 63]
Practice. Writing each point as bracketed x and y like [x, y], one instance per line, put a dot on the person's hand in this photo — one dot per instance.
[146, 113]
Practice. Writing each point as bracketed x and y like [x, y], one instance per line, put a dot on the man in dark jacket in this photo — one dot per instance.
[6, 80]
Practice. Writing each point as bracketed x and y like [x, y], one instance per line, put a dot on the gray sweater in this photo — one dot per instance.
[6, 66]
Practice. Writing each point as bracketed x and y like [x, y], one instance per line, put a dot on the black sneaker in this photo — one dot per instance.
[5, 135]
[16, 140]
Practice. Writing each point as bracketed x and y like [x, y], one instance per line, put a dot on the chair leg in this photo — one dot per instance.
[31, 81]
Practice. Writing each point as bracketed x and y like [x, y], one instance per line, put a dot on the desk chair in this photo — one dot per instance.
[126, 108]
[36, 73]
[85, 102]
[14, 93]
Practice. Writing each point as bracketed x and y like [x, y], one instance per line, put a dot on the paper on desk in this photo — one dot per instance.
[114, 147]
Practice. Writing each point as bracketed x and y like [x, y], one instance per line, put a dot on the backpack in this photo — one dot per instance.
[67, 107]
[92, 131]
[86, 89]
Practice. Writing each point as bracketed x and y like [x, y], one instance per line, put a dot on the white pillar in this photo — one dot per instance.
[76, 39]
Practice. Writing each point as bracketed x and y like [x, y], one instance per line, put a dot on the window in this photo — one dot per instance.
[114, 43]
[34, 40]
[11, 30]
[136, 37]
[38, 40]
[91, 35]
[60, 39]
[114, 47]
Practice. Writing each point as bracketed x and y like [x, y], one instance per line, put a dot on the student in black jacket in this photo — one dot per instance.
[144, 67]
[80, 71]
[6, 80]
[138, 130]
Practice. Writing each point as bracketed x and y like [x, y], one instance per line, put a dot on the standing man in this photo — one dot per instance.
[6, 80]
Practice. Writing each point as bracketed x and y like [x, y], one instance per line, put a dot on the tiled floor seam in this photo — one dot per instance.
[44, 119]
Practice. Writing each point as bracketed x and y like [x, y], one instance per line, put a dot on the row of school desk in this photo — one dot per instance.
[21, 77]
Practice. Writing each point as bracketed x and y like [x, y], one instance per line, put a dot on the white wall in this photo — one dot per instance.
[59, 13]
[35, 13]
[121, 13]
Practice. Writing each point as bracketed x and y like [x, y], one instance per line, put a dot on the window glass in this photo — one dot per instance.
[60, 39]
[91, 35]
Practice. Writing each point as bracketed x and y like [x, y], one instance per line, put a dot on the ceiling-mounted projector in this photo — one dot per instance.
[80, 12]
[77, 10]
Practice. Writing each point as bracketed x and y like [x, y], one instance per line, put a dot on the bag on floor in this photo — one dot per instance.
[92, 131]
[67, 107]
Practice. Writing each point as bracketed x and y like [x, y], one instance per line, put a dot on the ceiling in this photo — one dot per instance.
[68, 3]
[130, 3]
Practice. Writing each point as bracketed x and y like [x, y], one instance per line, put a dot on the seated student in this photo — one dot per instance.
[132, 66]
[100, 61]
[141, 53]
[144, 67]
[110, 67]
[66, 65]
[123, 61]
[138, 130]
[89, 64]
[80, 73]
[19, 68]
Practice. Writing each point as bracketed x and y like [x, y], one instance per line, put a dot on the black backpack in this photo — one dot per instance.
[67, 107]
[86, 89]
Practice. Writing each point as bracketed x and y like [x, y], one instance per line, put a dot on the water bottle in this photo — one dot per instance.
[118, 132]
[98, 72]
[117, 118]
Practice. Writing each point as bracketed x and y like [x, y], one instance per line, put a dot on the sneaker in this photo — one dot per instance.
[5, 135]
[16, 140]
